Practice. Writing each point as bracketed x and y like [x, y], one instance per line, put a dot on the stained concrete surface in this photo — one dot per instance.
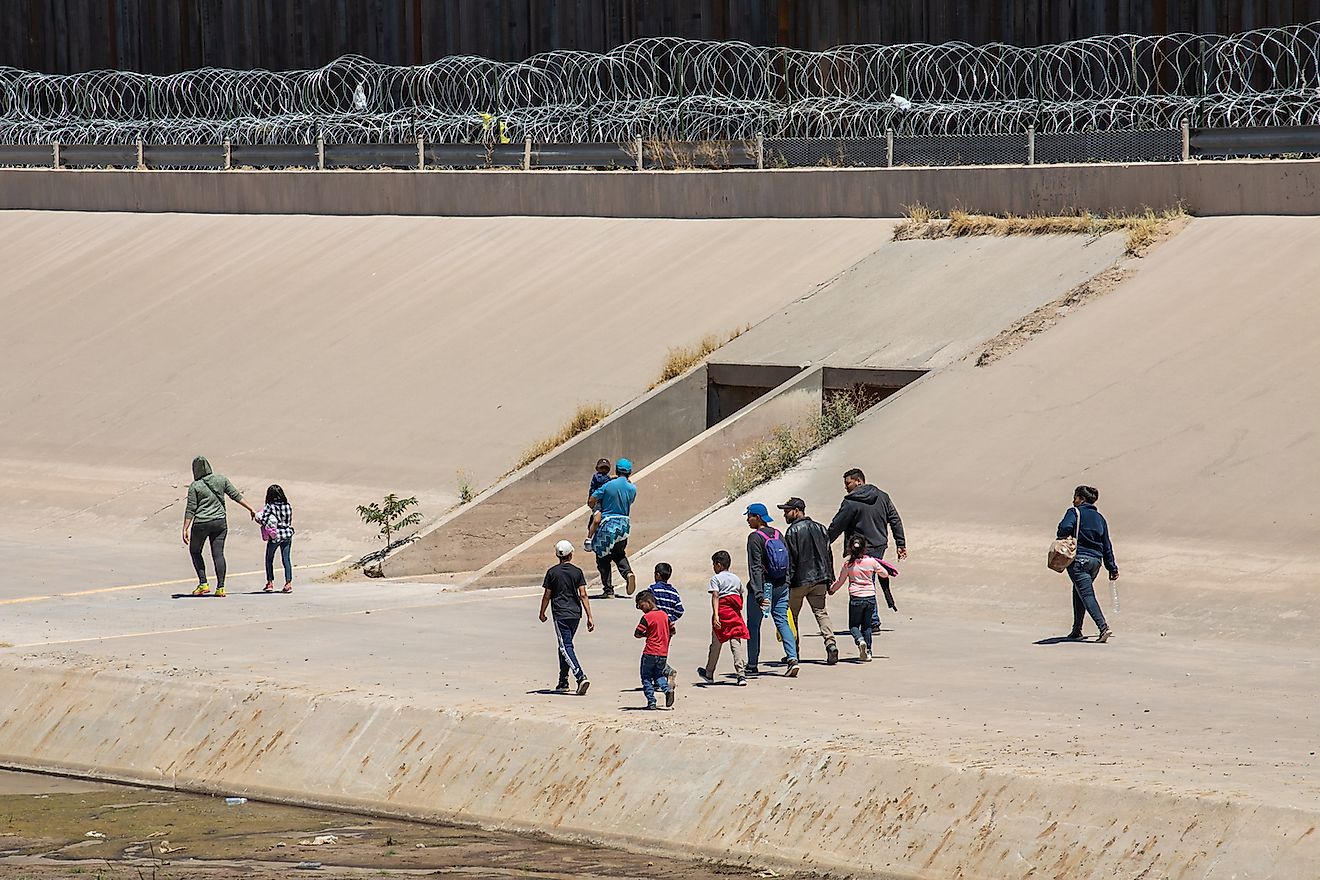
[1185, 747]
[342, 357]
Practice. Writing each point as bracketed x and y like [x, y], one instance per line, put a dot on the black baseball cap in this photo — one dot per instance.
[793, 503]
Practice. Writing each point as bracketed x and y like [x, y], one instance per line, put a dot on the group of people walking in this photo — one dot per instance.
[785, 570]
[205, 519]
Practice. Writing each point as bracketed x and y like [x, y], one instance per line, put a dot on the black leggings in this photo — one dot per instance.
[618, 556]
[216, 530]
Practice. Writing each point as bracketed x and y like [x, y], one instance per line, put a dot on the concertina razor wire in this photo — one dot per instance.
[685, 90]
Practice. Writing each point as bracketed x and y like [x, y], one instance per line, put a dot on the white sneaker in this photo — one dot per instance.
[863, 653]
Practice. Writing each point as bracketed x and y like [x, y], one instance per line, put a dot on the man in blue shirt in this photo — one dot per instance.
[610, 543]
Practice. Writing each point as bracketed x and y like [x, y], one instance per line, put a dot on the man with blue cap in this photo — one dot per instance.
[610, 543]
[767, 587]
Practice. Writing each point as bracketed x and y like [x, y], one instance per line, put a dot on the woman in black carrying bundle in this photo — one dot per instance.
[1093, 549]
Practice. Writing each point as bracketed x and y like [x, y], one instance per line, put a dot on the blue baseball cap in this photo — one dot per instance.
[623, 466]
[758, 510]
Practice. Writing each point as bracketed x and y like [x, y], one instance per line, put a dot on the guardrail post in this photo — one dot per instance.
[320, 152]
[55, 156]
[421, 153]
[760, 151]
[1031, 145]
[889, 148]
[1186, 139]
[527, 154]
[141, 161]
[638, 144]
[229, 155]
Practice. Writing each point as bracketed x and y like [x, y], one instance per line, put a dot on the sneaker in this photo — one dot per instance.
[863, 652]
[742, 681]
[784, 661]
[701, 673]
[561, 688]
[1075, 636]
[652, 706]
[202, 590]
[269, 588]
[752, 670]
[792, 669]
[582, 687]
[669, 698]
[1105, 635]
[632, 583]
[288, 588]
[220, 592]
[831, 655]
[608, 593]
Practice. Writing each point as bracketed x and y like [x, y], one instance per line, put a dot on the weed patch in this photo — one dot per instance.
[587, 416]
[786, 445]
[1143, 229]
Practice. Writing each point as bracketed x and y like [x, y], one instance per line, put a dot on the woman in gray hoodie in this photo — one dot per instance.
[204, 517]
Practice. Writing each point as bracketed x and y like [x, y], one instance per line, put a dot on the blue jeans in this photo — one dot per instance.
[861, 609]
[778, 611]
[565, 629]
[1082, 572]
[286, 556]
[653, 676]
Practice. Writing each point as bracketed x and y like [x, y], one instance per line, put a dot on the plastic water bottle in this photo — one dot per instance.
[1113, 592]
[235, 801]
[765, 609]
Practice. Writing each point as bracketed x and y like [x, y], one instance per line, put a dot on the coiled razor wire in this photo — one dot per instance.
[694, 90]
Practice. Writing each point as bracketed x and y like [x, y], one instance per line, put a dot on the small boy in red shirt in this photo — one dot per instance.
[656, 629]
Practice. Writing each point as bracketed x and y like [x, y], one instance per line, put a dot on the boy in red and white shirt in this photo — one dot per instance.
[656, 629]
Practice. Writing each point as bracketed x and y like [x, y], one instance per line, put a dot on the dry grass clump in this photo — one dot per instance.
[1142, 229]
[785, 445]
[587, 416]
[680, 359]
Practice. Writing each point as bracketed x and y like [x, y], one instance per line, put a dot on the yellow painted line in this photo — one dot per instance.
[23, 599]
[494, 595]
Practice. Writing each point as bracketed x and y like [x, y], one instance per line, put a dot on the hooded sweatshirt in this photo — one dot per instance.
[206, 494]
[867, 511]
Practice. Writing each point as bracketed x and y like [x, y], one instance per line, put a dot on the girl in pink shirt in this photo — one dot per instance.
[860, 572]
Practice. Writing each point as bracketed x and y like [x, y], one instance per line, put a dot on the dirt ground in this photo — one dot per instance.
[140, 834]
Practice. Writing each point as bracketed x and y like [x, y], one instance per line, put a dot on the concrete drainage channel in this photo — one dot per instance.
[681, 437]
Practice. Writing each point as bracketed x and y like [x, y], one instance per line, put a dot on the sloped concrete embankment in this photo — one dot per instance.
[711, 795]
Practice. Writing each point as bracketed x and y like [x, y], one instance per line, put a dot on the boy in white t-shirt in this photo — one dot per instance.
[726, 620]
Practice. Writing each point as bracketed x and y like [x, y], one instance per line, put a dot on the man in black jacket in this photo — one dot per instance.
[867, 511]
[810, 572]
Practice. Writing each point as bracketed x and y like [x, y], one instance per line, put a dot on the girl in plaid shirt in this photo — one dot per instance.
[276, 520]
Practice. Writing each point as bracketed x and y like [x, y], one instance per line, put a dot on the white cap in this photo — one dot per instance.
[564, 548]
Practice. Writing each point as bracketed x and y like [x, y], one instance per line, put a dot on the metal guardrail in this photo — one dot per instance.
[1022, 148]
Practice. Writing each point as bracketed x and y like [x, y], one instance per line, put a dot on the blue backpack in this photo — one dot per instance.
[776, 556]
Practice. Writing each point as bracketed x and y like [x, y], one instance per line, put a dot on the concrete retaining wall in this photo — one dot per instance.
[828, 808]
[502, 517]
[683, 483]
[1205, 188]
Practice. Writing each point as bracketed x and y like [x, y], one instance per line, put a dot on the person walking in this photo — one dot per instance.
[810, 573]
[869, 512]
[565, 596]
[726, 622]
[276, 521]
[767, 588]
[860, 572]
[656, 628]
[610, 541]
[204, 520]
[1094, 548]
